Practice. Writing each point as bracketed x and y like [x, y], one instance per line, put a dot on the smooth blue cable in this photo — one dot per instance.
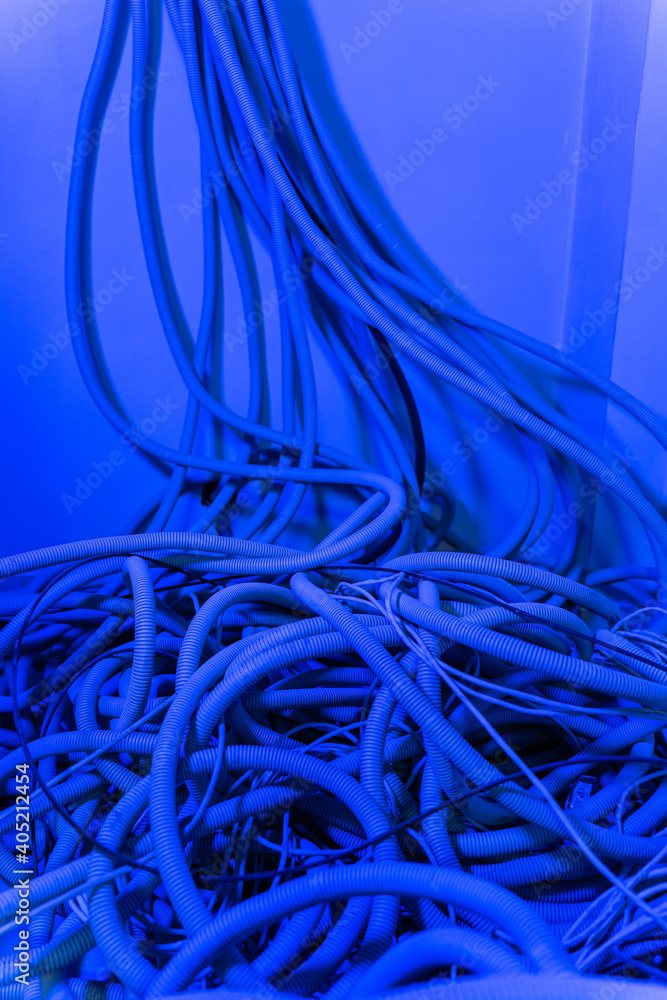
[294, 492]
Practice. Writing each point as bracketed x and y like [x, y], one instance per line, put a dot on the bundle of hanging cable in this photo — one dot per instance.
[384, 763]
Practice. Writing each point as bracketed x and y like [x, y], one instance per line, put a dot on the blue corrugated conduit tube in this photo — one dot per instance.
[344, 754]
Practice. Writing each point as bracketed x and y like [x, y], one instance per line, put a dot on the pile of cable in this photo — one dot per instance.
[247, 754]
[333, 787]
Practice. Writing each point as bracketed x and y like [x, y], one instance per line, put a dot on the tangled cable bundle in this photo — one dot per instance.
[381, 762]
